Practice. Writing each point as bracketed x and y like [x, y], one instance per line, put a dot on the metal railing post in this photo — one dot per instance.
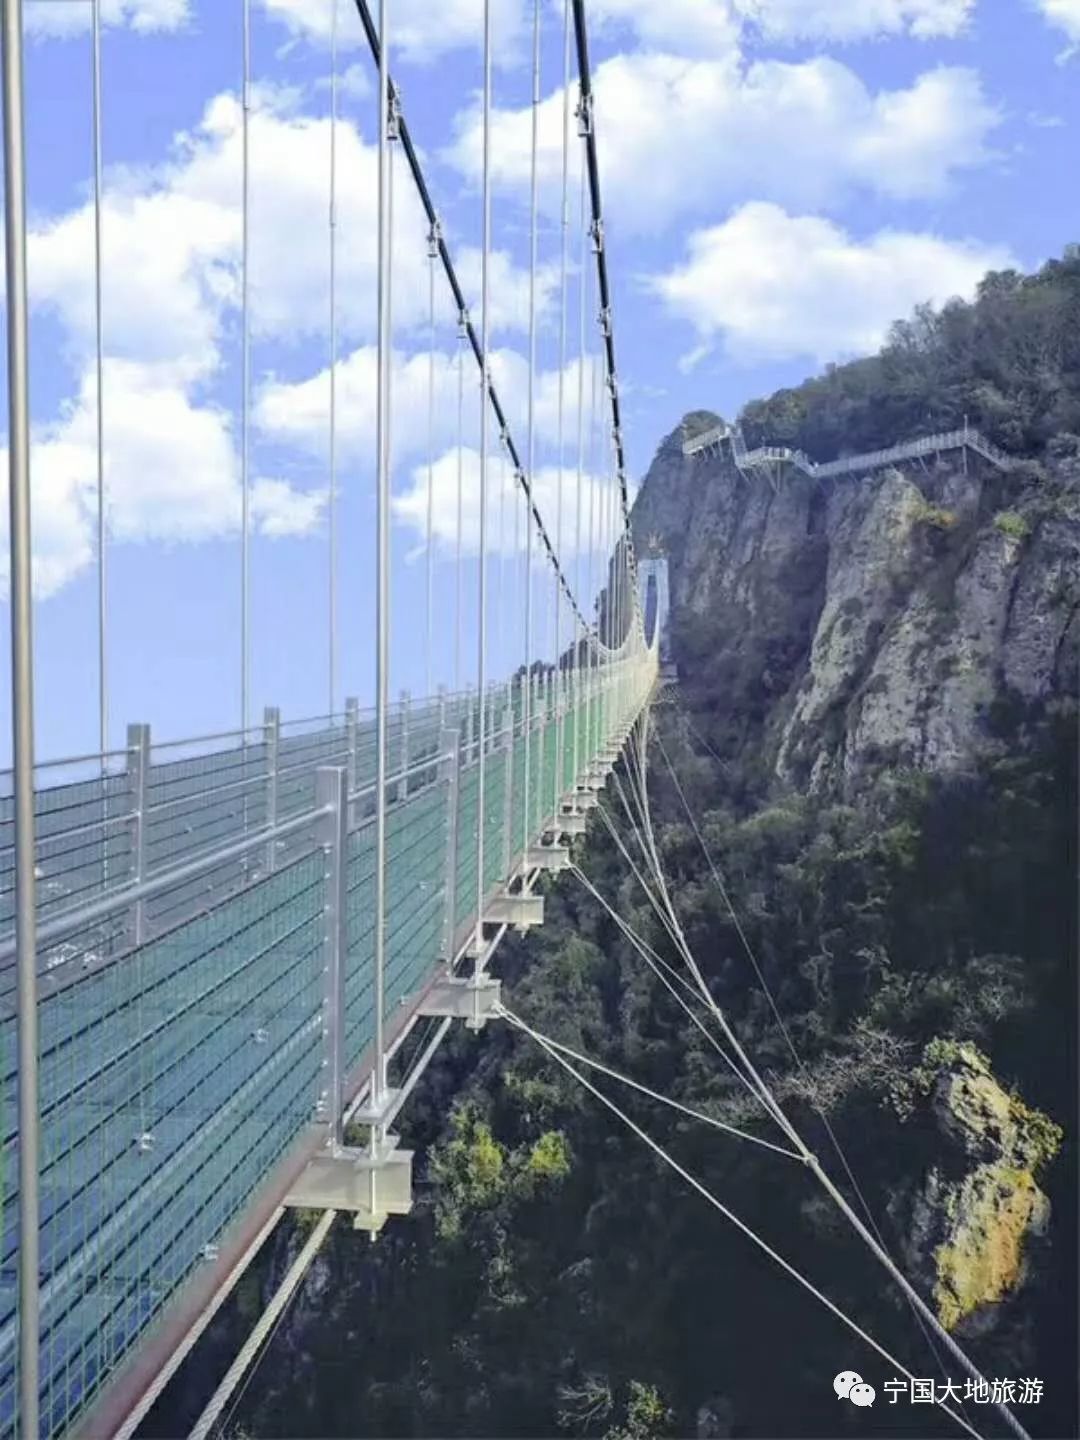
[331, 789]
[404, 702]
[352, 741]
[470, 731]
[440, 695]
[450, 770]
[138, 761]
[508, 806]
[271, 745]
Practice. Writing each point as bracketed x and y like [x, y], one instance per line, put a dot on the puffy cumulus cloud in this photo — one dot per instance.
[411, 506]
[772, 285]
[708, 130]
[418, 35]
[1064, 15]
[58, 19]
[684, 27]
[171, 243]
[171, 475]
[171, 289]
[840, 20]
[296, 413]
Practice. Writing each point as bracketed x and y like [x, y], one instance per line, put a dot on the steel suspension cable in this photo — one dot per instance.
[460, 502]
[669, 977]
[99, 365]
[22, 714]
[578, 632]
[588, 121]
[332, 497]
[837, 1196]
[689, 1110]
[741, 1225]
[767, 991]
[530, 437]
[485, 323]
[245, 368]
[472, 335]
[564, 223]
[382, 556]
[429, 534]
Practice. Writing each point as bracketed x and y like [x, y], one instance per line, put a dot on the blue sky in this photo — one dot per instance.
[782, 178]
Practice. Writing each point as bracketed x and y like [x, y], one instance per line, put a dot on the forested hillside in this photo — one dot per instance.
[1009, 361]
[875, 728]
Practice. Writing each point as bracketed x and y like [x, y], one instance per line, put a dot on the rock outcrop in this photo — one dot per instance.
[864, 622]
[980, 1207]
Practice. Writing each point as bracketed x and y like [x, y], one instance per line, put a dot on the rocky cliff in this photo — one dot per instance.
[889, 619]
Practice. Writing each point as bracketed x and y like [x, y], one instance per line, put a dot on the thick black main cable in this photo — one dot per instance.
[588, 125]
[523, 479]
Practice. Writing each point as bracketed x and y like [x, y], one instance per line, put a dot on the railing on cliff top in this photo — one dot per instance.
[766, 456]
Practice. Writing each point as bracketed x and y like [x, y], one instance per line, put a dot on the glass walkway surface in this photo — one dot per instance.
[185, 1017]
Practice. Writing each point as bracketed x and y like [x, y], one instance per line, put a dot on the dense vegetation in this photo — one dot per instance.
[1009, 361]
[556, 1280]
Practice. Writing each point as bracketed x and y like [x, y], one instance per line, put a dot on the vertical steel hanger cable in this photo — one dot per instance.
[580, 634]
[429, 550]
[102, 573]
[460, 504]
[22, 709]
[564, 222]
[485, 327]
[531, 426]
[332, 497]
[245, 365]
[382, 551]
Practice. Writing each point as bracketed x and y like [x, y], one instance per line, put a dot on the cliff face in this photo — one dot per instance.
[892, 619]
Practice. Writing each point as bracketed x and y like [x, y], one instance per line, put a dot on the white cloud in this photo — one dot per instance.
[410, 507]
[171, 476]
[685, 27]
[1063, 15]
[709, 131]
[62, 18]
[171, 238]
[417, 34]
[840, 20]
[297, 413]
[773, 285]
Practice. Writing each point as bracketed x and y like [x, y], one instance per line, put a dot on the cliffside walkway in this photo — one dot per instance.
[769, 458]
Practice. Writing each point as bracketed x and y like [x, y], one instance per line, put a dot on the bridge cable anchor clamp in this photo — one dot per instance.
[435, 235]
[393, 114]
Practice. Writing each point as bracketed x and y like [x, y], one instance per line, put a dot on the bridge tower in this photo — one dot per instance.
[656, 602]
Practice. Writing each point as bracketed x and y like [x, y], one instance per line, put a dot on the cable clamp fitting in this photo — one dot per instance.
[435, 235]
[604, 321]
[596, 234]
[393, 114]
[463, 323]
[584, 113]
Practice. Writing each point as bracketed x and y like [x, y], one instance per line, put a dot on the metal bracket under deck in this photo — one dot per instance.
[370, 1184]
[471, 998]
[552, 859]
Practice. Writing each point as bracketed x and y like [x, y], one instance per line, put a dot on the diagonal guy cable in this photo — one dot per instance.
[728, 1214]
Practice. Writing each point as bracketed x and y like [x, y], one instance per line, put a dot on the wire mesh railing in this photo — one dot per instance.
[183, 976]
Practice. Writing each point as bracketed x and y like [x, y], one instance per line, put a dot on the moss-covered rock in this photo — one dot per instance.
[979, 1208]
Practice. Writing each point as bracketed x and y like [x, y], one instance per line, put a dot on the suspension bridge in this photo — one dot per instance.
[215, 949]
